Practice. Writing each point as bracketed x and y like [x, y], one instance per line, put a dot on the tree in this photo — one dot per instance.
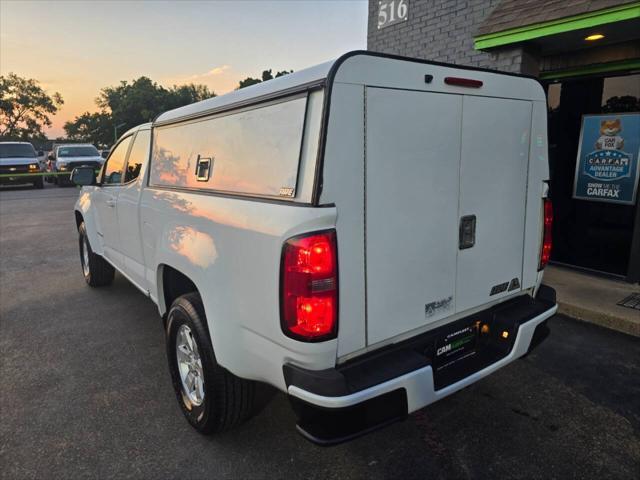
[266, 75]
[625, 103]
[95, 128]
[130, 104]
[142, 100]
[186, 94]
[247, 82]
[25, 107]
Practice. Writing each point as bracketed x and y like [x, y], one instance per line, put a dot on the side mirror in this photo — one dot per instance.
[51, 157]
[83, 176]
[40, 153]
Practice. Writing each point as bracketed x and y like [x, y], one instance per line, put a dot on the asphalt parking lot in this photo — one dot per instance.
[86, 392]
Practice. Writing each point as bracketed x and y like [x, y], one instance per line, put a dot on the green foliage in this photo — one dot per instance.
[95, 128]
[626, 103]
[186, 94]
[25, 107]
[143, 99]
[247, 82]
[266, 75]
[130, 104]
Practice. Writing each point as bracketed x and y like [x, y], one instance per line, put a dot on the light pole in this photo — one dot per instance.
[115, 132]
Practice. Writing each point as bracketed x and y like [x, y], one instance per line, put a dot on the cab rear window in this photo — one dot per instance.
[253, 151]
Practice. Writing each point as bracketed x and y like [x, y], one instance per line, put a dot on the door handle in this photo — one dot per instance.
[203, 168]
[111, 202]
[467, 232]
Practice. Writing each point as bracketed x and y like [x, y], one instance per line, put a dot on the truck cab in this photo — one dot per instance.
[19, 164]
[368, 236]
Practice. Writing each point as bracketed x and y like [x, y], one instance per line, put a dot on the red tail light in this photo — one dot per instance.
[309, 287]
[545, 250]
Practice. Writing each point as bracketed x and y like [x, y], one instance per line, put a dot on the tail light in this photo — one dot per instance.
[309, 287]
[463, 82]
[547, 242]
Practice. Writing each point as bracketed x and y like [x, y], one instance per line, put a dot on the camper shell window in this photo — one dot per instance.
[254, 151]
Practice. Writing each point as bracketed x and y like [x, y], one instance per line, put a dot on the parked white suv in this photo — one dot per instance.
[66, 157]
[367, 235]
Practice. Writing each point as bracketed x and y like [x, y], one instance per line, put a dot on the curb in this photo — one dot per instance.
[606, 320]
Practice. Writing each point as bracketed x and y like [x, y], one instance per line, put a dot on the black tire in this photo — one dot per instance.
[228, 400]
[99, 272]
[39, 184]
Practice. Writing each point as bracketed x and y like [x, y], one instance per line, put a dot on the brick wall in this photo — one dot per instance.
[443, 31]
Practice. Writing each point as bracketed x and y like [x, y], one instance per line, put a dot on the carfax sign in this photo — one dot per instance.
[607, 166]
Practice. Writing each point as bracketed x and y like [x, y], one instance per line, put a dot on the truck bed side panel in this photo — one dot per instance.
[231, 249]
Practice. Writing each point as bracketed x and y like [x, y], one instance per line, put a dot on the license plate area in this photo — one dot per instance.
[471, 345]
[456, 345]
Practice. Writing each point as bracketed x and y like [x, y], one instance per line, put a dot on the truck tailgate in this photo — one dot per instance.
[434, 161]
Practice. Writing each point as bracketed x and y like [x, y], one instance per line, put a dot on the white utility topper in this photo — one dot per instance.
[367, 235]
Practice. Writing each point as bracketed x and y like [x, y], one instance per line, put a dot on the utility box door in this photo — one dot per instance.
[412, 167]
[493, 188]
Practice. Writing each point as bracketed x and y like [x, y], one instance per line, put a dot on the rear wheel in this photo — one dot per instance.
[211, 398]
[96, 270]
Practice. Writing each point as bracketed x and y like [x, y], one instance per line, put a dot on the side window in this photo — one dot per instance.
[254, 151]
[139, 153]
[115, 163]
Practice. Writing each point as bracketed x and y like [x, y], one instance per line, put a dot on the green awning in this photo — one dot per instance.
[505, 24]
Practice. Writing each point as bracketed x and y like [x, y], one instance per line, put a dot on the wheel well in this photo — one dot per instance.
[79, 218]
[175, 284]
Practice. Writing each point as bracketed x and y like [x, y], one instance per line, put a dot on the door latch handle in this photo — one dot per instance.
[111, 202]
[467, 232]
[203, 168]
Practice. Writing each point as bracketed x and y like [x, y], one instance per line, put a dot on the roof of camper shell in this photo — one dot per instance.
[399, 78]
[292, 81]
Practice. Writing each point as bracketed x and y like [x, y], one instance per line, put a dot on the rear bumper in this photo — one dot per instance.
[338, 404]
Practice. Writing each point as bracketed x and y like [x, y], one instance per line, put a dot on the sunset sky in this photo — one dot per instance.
[78, 47]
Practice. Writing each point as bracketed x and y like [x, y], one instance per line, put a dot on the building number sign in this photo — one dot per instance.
[391, 12]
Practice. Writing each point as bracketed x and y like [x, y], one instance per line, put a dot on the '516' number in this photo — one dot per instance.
[392, 11]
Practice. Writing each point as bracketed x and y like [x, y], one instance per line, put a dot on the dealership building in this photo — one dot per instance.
[586, 54]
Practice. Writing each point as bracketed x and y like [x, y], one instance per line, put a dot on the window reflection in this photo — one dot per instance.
[594, 235]
[115, 164]
[621, 94]
[138, 154]
[254, 151]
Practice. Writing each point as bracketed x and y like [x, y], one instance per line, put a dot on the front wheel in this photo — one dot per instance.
[39, 183]
[96, 270]
[211, 398]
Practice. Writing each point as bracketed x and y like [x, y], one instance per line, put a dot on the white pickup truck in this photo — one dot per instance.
[367, 235]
